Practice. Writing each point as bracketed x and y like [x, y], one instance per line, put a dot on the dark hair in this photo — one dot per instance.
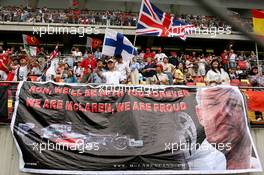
[252, 69]
[219, 66]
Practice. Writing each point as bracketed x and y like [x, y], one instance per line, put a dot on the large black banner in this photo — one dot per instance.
[67, 129]
[3, 103]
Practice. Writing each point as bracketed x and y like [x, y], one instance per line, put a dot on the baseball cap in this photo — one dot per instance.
[147, 49]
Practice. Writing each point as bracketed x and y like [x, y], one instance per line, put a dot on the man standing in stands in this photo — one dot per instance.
[23, 70]
[123, 68]
[149, 70]
[111, 76]
[160, 56]
[148, 54]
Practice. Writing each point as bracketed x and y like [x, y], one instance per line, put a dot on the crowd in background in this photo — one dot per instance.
[148, 67]
[85, 16]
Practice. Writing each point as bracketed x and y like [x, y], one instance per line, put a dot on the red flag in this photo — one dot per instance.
[255, 100]
[30, 40]
[96, 43]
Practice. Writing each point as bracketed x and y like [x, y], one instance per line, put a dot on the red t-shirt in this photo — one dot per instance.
[5, 60]
[146, 55]
[86, 63]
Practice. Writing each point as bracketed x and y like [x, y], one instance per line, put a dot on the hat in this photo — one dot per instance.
[147, 49]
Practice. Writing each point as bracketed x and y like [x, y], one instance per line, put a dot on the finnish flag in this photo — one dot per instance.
[116, 43]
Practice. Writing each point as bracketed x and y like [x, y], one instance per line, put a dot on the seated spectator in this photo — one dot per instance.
[160, 78]
[99, 70]
[78, 70]
[168, 69]
[178, 74]
[87, 76]
[71, 78]
[173, 59]
[216, 75]
[232, 74]
[149, 70]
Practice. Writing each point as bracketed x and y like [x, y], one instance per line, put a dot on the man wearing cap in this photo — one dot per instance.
[160, 78]
[160, 56]
[123, 68]
[23, 70]
[111, 76]
[148, 54]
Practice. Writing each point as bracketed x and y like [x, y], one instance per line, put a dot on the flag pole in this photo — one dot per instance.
[135, 38]
[256, 47]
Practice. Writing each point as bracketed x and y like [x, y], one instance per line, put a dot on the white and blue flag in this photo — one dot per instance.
[116, 43]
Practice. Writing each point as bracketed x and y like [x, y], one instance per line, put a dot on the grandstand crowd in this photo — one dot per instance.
[148, 67]
[118, 18]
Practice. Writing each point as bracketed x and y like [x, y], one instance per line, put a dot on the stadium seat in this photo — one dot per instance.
[235, 82]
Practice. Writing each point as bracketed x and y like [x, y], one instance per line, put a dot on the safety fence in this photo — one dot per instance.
[254, 96]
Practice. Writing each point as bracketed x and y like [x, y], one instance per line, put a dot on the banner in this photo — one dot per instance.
[255, 100]
[3, 103]
[84, 129]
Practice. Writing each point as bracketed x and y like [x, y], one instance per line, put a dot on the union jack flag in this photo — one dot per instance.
[154, 22]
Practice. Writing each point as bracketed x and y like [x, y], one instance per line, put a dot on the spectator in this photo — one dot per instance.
[160, 56]
[257, 80]
[97, 54]
[173, 59]
[232, 59]
[148, 54]
[23, 70]
[149, 70]
[160, 77]
[201, 66]
[123, 68]
[168, 69]
[99, 70]
[112, 76]
[178, 74]
[216, 75]
[70, 77]
[135, 67]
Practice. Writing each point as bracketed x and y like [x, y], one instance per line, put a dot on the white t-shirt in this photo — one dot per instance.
[124, 69]
[112, 77]
[160, 56]
[22, 72]
[52, 69]
[217, 76]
